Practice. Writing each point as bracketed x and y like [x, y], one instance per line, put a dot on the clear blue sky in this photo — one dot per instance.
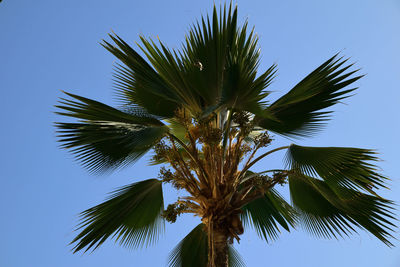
[47, 46]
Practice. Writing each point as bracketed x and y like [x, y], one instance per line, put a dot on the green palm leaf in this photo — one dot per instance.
[193, 251]
[217, 67]
[326, 212]
[137, 82]
[234, 258]
[106, 138]
[300, 112]
[338, 166]
[265, 213]
[229, 57]
[209, 99]
[131, 215]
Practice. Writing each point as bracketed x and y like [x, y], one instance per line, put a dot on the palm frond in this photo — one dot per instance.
[338, 166]
[216, 67]
[234, 258]
[193, 251]
[229, 57]
[106, 138]
[137, 82]
[332, 213]
[131, 215]
[177, 129]
[301, 112]
[265, 213]
[170, 68]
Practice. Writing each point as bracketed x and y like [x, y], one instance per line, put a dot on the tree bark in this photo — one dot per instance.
[218, 252]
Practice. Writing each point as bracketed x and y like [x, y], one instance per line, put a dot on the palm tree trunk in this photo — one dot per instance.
[218, 248]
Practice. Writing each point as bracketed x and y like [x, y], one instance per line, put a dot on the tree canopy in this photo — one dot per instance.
[204, 112]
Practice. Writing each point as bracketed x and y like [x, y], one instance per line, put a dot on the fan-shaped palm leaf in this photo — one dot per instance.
[299, 112]
[193, 251]
[264, 214]
[138, 83]
[131, 215]
[209, 100]
[325, 212]
[106, 138]
[342, 166]
[217, 67]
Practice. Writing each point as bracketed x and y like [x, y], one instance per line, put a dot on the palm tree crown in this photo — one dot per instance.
[202, 110]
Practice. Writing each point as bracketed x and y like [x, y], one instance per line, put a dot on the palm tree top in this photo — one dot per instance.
[215, 72]
[205, 113]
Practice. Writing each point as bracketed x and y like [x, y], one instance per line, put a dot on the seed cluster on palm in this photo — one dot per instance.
[202, 110]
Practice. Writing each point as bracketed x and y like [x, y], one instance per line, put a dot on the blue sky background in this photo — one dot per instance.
[47, 46]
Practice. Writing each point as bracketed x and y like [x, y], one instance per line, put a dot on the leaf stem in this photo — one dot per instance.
[264, 155]
[255, 161]
[224, 141]
[198, 163]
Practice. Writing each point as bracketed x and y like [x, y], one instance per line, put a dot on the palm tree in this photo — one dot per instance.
[202, 110]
